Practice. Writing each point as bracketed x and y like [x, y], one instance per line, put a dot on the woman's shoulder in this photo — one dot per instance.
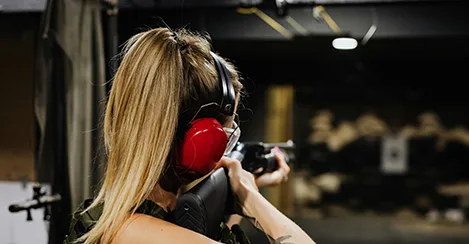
[151, 220]
[145, 229]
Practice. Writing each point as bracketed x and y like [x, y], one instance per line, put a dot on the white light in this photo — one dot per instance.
[344, 43]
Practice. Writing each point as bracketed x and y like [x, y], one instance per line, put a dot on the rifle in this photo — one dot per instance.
[39, 200]
[199, 209]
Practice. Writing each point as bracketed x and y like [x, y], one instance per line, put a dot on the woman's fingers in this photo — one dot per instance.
[282, 164]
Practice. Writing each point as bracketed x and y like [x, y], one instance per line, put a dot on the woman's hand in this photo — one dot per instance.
[276, 177]
[242, 182]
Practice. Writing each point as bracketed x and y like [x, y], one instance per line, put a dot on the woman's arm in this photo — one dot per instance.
[278, 228]
[269, 179]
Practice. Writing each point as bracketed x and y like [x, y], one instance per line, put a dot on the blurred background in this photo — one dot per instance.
[371, 92]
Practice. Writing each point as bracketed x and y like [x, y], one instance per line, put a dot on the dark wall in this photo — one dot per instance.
[17, 59]
[252, 112]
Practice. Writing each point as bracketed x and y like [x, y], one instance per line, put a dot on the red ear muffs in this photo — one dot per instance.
[203, 146]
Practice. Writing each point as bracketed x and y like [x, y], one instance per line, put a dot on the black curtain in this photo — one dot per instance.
[51, 155]
[69, 104]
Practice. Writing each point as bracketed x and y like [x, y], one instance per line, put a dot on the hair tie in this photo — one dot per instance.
[175, 36]
[182, 45]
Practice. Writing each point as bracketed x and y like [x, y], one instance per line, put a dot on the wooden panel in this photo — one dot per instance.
[279, 128]
[16, 97]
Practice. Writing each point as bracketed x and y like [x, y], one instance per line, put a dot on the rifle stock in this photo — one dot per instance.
[203, 208]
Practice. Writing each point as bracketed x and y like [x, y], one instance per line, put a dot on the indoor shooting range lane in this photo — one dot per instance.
[409, 66]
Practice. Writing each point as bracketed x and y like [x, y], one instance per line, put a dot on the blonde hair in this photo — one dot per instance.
[162, 74]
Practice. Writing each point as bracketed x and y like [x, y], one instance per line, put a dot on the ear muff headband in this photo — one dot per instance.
[228, 98]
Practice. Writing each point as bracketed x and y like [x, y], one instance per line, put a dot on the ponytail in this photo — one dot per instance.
[139, 128]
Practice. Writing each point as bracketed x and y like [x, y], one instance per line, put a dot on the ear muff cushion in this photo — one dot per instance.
[203, 146]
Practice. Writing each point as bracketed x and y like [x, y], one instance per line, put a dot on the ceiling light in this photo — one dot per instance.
[344, 43]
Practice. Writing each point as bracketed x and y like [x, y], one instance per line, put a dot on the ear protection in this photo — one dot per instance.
[205, 140]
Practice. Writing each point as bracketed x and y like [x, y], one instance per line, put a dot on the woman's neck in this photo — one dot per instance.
[165, 199]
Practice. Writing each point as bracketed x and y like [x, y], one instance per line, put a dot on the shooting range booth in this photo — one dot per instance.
[363, 88]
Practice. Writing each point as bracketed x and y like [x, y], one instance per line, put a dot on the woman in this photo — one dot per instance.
[164, 76]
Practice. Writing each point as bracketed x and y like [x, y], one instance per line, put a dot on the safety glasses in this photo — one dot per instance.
[233, 136]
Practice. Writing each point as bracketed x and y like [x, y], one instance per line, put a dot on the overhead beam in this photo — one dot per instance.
[168, 4]
[13, 6]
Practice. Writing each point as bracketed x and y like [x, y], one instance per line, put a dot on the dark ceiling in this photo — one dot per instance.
[404, 20]
[406, 31]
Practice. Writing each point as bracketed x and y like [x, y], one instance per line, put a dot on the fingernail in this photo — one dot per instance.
[277, 149]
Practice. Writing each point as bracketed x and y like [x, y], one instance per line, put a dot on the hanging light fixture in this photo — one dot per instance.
[343, 41]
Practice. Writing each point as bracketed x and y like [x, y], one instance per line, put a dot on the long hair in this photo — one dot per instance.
[162, 74]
